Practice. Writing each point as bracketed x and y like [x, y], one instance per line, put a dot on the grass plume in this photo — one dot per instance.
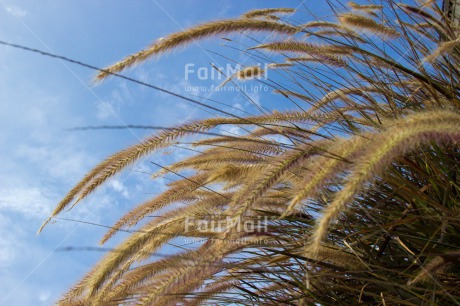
[221, 27]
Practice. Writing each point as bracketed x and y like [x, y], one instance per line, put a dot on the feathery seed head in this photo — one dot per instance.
[367, 24]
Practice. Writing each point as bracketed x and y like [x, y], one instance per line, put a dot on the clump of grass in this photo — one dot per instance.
[357, 185]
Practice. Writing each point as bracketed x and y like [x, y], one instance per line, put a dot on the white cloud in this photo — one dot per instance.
[119, 187]
[44, 296]
[32, 202]
[57, 160]
[7, 252]
[9, 243]
[111, 108]
[105, 110]
[15, 11]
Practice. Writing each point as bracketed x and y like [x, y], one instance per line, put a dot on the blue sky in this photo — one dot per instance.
[41, 98]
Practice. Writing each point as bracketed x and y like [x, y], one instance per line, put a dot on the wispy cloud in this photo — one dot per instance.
[9, 242]
[31, 202]
[110, 108]
[15, 11]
